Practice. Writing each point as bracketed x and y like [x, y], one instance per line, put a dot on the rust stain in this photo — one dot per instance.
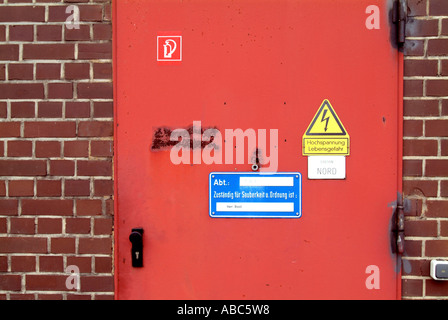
[161, 139]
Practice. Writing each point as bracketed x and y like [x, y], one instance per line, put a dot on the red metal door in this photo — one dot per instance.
[261, 65]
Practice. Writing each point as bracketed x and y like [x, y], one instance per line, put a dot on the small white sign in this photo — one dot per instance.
[326, 167]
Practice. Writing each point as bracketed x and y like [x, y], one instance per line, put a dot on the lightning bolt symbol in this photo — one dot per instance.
[325, 119]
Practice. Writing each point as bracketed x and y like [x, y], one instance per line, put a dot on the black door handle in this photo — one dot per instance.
[136, 238]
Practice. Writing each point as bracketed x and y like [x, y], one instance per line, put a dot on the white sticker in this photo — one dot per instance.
[326, 167]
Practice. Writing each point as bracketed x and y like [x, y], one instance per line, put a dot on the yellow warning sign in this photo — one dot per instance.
[326, 135]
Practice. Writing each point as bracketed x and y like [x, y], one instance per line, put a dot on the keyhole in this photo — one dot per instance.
[137, 254]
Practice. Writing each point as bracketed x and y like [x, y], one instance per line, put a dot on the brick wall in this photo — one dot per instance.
[56, 137]
[425, 153]
[56, 148]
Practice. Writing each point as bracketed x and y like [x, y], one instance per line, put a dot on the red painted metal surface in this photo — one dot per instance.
[262, 65]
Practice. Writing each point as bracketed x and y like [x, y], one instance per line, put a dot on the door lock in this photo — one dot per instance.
[136, 238]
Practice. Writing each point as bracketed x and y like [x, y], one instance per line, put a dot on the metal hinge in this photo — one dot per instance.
[399, 18]
[402, 206]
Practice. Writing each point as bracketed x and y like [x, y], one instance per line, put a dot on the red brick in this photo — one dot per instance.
[413, 88]
[422, 28]
[2, 188]
[77, 71]
[436, 128]
[20, 148]
[77, 225]
[83, 263]
[445, 107]
[49, 109]
[60, 90]
[99, 90]
[102, 148]
[48, 188]
[444, 228]
[49, 32]
[20, 71]
[414, 47]
[417, 268]
[437, 47]
[21, 91]
[62, 245]
[102, 31]
[9, 51]
[95, 50]
[421, 228]
[48, 149]
[102, 70]
[103, 188]
[2, 71]
[3, 263]
[59, 51]
[22, 14]
[436, 248]
[416, 8]
[413, 248]
[438, 8]
[50, 129]
[10, 282]
[425, 188]
[48, 71]
[21, 33]
[412, 287]
[3, 229]
[22, 225]
[21, 296]
[49, 225]
[436, 288]
[102, 226]
[412, 128]
[51, 264]
[91, 12]
[77, 187]
[80, 34]
[49, 296]
[89, 207]
[444, 188]
[94, 168]
[8, 207]
[9, 129]
[95, 129]
[23, 245]
[444, 63]
[420, 67]
[436, 168]
[47, 207]
[77, 148]
[97, 283]
[23, 167]
[23, 264]
[40, 282]
[103, 264]
[23, 109]
[437, 208]
[103, 109]
[77, 109]
[2, 33]
[21, 188]
[421, 107]
[95, 246]
[437, 88]
[62, 167]
[3, 109]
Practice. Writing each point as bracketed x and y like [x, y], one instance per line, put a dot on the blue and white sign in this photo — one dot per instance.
[255, 195]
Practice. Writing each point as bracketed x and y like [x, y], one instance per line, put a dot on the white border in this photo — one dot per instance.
[170, 37]
[254, 216]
